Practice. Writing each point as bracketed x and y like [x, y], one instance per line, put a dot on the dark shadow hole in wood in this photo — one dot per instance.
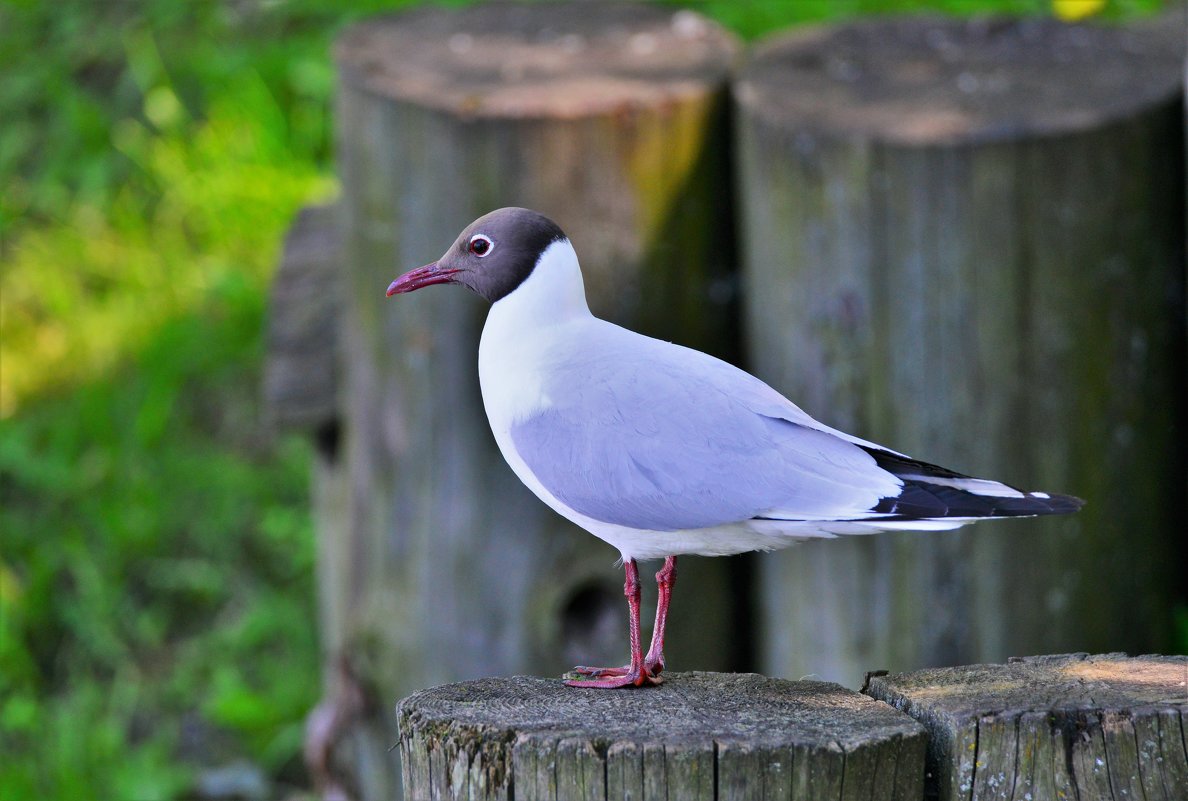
[593, 621]
[327, 437]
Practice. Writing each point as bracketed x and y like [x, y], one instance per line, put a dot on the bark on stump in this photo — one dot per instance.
[965, 240]
[610, 118]
[697, 736]
[1094, 728]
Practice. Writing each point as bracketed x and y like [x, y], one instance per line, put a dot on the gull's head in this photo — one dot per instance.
[493, 256]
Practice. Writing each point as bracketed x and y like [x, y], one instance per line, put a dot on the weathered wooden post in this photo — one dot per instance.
[301, 372]
[436, 564]
[1096, 728]
[699, 736]
[965, 240]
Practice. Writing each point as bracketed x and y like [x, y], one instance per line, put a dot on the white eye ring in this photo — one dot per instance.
[481, 245]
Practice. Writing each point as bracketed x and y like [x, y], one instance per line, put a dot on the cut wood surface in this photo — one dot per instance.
[937, 81]
[697, 736]
[1095, 728]
[965, 240]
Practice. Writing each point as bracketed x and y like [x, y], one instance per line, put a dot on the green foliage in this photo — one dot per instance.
[159, 563]
[148, 178]
[156, 559]
[753, 18]
[156, 570]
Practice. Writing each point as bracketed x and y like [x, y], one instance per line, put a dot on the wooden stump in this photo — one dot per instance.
[301, 371]
[964, 240]
[1094, 728]
[608, 117]
[697, 736]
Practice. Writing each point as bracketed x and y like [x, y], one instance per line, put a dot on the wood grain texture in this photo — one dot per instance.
[1105, 727]
[965, 240]
[301, 363]
[698, 736]
[440, 566]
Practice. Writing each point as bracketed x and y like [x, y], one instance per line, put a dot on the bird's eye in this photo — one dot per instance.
[480, 245]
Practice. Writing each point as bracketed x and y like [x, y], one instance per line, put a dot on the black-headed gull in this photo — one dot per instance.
[661, 450]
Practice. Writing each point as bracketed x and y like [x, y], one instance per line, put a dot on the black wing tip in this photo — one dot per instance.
[924, 501]
[1038, 503]
[1059, 504]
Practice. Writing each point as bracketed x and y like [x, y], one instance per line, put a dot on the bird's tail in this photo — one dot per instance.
[936, 493]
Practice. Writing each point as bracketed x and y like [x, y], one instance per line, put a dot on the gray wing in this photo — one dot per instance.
[650, 435]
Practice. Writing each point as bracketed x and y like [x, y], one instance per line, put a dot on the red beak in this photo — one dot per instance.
[421, 277]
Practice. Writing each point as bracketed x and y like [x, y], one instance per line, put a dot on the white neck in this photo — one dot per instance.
[551, 294]
[514, 350]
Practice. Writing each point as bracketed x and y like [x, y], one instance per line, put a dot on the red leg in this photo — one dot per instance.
[634, 675]
[665, 581]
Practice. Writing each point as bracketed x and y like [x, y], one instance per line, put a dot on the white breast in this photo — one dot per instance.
[524, 334]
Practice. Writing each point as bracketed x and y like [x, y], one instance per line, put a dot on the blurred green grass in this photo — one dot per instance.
[156, 579]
